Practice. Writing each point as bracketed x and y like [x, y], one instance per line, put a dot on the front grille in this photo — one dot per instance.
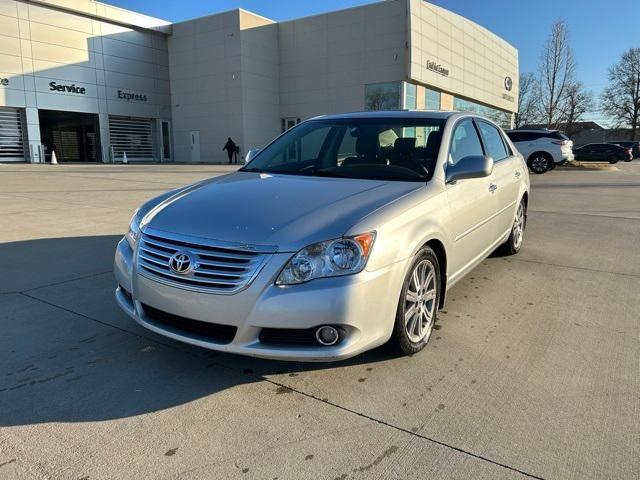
[217, 268]
[289, 336]
[214, 331]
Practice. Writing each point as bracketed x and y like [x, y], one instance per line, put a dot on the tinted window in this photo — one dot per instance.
[465, 142]
[527, 136]
[514, 136]
[493, 141]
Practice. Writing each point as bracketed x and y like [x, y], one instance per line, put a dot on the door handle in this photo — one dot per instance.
[493, 187]
[518, 174]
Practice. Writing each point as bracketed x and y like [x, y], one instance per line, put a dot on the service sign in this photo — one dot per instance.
[66, 88]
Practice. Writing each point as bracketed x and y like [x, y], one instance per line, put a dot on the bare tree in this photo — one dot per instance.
[577, 102]
[557, 68]
[527, 101]
[621, 99]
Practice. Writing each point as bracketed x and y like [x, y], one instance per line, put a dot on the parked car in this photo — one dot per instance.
[343, 234]
[542, 149]
[602, 152]
[634, 146]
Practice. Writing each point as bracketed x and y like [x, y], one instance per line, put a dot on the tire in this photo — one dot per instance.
[612, 159]
[420, 293]
[516, 237]
[540, 162]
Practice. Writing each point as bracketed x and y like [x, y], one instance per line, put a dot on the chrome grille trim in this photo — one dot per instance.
[219, 267]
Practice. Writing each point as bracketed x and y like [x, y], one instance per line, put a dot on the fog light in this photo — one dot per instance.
[327, 335]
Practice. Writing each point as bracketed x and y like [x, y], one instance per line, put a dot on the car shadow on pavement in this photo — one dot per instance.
[70, 355]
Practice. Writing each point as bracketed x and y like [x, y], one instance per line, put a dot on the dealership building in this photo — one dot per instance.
[93, 82]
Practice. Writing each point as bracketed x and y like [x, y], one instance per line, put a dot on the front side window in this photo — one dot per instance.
[367, 148]
[465, 142]
[493, 141]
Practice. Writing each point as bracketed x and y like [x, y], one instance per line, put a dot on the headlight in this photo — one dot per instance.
[133, 234]
[333, 258]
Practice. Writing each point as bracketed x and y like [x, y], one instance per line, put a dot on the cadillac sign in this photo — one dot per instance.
[436, 67]
[4, 82]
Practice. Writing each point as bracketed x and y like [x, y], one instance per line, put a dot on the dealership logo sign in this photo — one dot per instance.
[57, 87]
[508, 83]
[131, 96]
[436, 67]
[4, 82]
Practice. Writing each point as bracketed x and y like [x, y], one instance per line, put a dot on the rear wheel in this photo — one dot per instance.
[540, 162]
[418, 304]
[612, 159]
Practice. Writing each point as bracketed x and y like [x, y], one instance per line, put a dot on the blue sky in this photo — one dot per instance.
[600, 30]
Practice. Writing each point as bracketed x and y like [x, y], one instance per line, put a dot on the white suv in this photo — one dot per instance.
[542, 149]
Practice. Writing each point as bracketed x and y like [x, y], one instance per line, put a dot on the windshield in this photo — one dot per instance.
[371, 148]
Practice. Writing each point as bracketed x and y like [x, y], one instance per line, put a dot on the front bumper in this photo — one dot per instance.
[362, 306]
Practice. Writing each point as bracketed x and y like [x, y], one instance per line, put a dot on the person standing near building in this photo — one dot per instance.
[230, 147]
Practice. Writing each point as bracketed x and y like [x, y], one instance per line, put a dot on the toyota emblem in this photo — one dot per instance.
[181, 262]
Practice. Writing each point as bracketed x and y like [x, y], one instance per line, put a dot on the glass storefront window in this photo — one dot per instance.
[432, 99]
[410, 96]
[382, 96]
[500, 117]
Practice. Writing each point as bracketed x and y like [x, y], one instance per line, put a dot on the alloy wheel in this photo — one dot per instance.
[540, 164]
[518, 227]
[420, 302]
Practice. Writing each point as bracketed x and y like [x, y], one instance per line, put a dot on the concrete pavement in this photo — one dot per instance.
[532, 373]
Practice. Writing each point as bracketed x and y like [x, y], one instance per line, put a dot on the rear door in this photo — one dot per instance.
[472, 205]
[507, 170]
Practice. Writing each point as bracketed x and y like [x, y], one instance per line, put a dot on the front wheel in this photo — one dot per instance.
[612, 159]
[418, 304]
[516, 237]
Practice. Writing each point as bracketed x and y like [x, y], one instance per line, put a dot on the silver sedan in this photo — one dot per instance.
[343, 234]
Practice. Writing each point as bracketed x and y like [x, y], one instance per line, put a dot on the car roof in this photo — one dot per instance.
[532, 130]
[433, 114]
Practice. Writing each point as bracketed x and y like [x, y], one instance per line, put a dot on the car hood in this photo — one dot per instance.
[286, 212]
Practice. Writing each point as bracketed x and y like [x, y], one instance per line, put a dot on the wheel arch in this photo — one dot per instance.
[441, 254]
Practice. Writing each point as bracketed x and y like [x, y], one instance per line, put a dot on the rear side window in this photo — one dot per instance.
[493, 141]
[531, 136]
[514, 136]
[465, 142]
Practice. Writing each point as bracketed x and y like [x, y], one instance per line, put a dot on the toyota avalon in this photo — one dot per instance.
[344, 233]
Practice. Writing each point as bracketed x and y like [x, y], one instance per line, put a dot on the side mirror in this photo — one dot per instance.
[473, 166]
[251, 154]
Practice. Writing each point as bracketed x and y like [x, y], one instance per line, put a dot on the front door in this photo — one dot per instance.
[195, 146]
[472, 204]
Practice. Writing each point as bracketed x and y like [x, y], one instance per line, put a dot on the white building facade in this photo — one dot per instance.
[92, 82]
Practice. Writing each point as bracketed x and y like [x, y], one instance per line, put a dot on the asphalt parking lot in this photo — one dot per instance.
[532, 373]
